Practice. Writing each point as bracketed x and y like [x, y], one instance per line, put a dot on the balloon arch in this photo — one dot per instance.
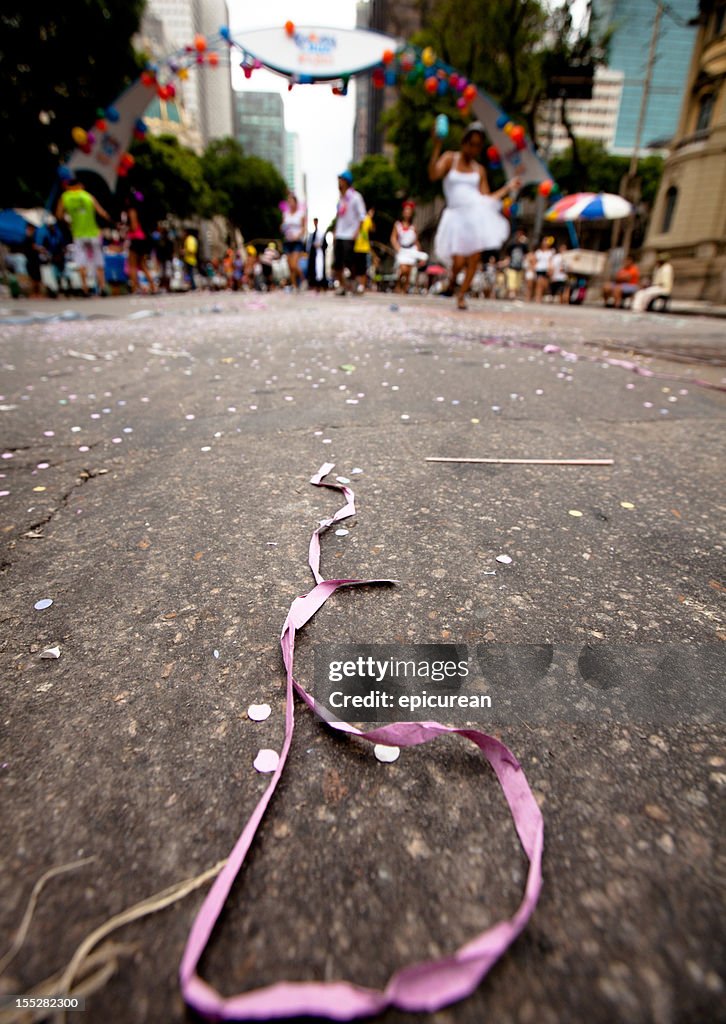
[304, 55]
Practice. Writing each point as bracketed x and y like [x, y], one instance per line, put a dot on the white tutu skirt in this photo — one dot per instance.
[475, 227]
[410, 257]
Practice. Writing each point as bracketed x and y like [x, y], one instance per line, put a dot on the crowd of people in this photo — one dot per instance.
[473, 251]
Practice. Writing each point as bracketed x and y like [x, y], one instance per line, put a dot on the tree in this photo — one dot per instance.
[58, 64]
[382, 188]
[246, 190]
[597, 171]
[170, 177]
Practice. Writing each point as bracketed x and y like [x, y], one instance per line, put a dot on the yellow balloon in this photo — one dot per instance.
[509, 127]
[80, 137]
[428, 56]
[183, 74]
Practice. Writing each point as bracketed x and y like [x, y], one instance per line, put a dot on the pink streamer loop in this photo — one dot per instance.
[425, 986]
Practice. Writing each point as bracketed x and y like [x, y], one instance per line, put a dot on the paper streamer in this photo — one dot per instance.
[623, 364]
[423, 986]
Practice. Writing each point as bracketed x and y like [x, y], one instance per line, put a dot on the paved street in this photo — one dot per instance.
[155, 464]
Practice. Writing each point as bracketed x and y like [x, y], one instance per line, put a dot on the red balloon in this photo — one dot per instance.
[469, 93]
[431, 85]
[101, 124]
[213, 59]
[289, 28]
[545, 187]
[493, 155]
[517, 133]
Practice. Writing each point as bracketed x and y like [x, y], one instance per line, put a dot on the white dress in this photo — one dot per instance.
[471, 222]
[408, 255]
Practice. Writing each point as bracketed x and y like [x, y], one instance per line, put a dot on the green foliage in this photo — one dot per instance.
[382, 188]
[171, 178]
[58, 63]
[244, 189]
[491, 42]
[601, 172]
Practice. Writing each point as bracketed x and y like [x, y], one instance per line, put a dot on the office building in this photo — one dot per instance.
[595, 119]
[206, 95]
[259, 126]
[631, 23]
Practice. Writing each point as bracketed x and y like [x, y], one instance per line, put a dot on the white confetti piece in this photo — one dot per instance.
[386, 754]
[504, 559]
[267, 761]
[342, 532]
[259, 712]
[574, 512]
[46, 602]
[51, 652]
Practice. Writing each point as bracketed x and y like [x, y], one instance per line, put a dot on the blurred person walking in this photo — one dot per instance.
[350, 213]
[317, 246]
[293, 232]
[81, 209]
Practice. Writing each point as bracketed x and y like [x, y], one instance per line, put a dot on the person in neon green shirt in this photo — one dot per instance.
[80, 208]
[362, 249]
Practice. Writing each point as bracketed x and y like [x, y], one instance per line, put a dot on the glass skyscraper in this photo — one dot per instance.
[631, 22]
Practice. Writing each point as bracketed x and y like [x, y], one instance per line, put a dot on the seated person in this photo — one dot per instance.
[660, 286]
[625, 284]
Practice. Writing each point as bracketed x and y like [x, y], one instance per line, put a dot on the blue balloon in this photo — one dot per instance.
[224, 32]
[443, 87]
[112, 115]
[502, 120]
[390, 77]
[65, 173]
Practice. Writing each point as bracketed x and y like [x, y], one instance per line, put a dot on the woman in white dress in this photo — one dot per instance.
[472, 222]
[404, 241]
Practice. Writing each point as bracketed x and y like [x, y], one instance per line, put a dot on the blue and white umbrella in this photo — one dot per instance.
[589, 206]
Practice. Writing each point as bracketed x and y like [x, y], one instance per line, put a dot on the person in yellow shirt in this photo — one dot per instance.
[189, 257]
[362, 250]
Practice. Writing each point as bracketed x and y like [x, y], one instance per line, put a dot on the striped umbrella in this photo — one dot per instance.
[589, 206]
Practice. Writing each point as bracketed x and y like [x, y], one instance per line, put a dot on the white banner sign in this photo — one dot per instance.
[314, 52]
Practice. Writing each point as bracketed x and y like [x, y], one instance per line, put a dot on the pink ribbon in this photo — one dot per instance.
[424, 986]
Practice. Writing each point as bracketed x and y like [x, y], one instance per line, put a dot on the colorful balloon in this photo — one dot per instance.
[290, 28]
[387, 56]
[213, 60]
[502, 120]
[112, 115]
[469, 92]
[545, 187]
[431, 85]
[428, 56]
[79, 136]
[200, 43]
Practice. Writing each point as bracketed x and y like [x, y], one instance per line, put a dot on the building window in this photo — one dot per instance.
[671, 198]
[705, 110]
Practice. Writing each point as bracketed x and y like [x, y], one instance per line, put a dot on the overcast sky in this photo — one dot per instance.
[324, 122]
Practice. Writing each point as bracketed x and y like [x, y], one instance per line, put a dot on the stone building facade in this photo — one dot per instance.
[689, 216]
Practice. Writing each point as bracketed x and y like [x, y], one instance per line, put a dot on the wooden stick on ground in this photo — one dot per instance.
[531, 462]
